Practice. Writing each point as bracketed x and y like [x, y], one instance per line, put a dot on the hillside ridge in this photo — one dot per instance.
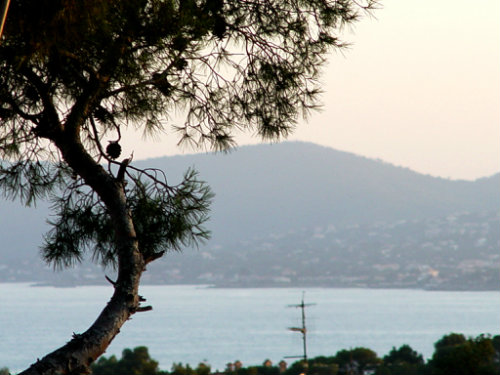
[285, 195]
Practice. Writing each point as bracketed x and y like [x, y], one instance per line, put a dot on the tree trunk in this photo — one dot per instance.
[76, 356]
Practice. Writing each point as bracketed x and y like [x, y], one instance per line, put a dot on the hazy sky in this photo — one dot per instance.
[419, 87]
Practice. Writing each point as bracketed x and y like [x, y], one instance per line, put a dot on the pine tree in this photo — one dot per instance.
[75, 74]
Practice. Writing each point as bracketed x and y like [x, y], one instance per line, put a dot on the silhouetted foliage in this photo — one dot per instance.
[132, 362]
[450, 340]
[457, 355]
[402, 361]
[76, 74]
[357, 361]
[454, 354]
[319, 365]
[180, 369]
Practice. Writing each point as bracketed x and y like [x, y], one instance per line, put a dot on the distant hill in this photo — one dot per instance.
[272, 190]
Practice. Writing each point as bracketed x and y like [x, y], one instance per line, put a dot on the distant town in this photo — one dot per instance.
[456, 252]
[282, 221]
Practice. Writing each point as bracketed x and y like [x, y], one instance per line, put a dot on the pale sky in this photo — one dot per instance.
[419, 88]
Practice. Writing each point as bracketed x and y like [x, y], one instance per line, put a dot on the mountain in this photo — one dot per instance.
[273, 188]
[268, 192]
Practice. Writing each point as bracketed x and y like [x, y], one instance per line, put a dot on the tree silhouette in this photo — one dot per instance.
[455, 354]
[133, 362]
[76, 74]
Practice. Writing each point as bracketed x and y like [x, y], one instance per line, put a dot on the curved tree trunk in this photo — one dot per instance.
[76, 356]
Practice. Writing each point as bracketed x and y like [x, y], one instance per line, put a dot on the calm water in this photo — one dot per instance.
[190, 324]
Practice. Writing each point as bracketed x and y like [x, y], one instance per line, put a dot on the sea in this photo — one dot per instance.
[193, 324]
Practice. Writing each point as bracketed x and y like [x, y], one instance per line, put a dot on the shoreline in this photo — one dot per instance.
[260, 286]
